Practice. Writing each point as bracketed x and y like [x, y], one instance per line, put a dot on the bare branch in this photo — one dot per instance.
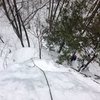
[32, 14]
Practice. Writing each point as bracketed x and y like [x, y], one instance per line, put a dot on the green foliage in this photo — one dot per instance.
[64, 57]
[68, 29]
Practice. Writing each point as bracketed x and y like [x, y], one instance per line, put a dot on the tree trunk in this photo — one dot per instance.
[39, 51]
[22, 42]
[84, 66]
[28, 10]
[13, 18]
[61, 46]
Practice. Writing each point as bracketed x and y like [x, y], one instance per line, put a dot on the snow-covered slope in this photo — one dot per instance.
[24, 80]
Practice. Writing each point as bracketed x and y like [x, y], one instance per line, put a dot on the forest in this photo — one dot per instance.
[50, 49]
[71, 26]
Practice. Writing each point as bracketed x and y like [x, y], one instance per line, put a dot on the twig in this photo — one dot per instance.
[1, 40]
[5, 61]
[3, 49]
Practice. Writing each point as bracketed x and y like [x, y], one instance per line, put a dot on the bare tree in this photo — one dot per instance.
[39, 34]
[55, 8]
[13, 14]
[34, 11]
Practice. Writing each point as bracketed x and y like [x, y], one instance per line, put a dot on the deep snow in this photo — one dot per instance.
[23, 80]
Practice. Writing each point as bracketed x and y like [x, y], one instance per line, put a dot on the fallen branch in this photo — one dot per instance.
[46, 80]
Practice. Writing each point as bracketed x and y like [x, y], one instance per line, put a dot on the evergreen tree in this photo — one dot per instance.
[75, 30]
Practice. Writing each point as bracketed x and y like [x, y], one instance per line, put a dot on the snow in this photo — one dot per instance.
[21, 77]
[23, 80]
[22, 84]
[24, 55]
[95, 68]
[49, 65]
[1, 64]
